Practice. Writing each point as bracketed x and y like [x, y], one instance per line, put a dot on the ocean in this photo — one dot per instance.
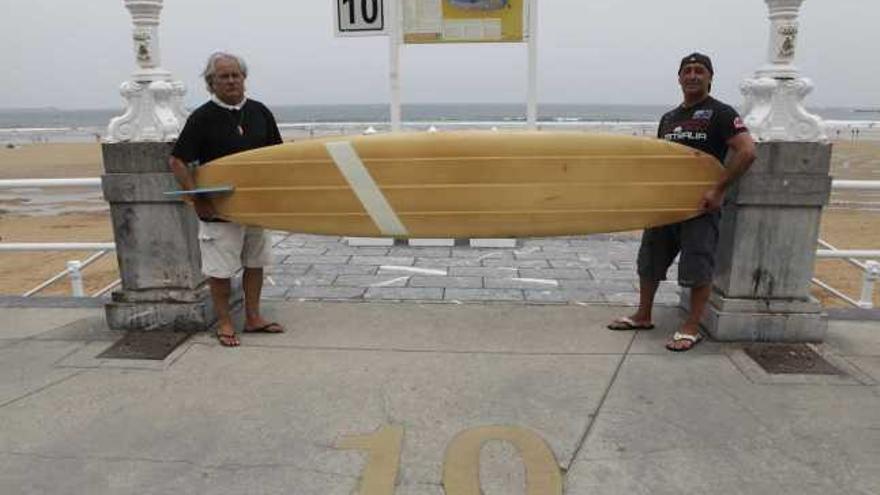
[19, 126]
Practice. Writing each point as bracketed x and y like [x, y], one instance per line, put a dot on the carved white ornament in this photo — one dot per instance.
[774, 109]
[786, 42]
[143, 46]
[154, 102]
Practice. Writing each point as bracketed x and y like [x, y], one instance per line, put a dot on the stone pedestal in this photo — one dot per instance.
[156, 244]
[769, 231]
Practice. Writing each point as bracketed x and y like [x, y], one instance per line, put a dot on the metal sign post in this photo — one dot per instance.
[532, 95]
[429, 23]
[395, 38]
[375, 18]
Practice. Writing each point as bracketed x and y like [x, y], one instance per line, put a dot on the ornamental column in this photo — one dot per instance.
[774, 97]
[156, 237]
[770, 223]
[154, 102]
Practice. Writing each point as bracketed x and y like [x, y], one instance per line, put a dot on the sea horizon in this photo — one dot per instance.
[11, 117]
[52, 124]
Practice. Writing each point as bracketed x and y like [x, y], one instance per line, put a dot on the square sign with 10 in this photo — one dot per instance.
[360, 17]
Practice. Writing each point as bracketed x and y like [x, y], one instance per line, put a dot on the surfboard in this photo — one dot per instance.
[469, 184]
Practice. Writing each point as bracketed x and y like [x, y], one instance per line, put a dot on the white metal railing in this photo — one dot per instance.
[74, 271]
[870, 272]
[23, 183]
[848, 253]
[74, 267]
[868, 185]
[57, 246]
[870, 269]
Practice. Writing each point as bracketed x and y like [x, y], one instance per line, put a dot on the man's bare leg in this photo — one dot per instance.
[699, 298]
[220, 289]
[253, 288]
[642, 317]
[647, 291]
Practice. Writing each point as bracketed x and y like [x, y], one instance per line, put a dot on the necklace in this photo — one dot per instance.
[240, 126]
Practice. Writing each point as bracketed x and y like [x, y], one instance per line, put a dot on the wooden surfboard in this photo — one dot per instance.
[462, 184]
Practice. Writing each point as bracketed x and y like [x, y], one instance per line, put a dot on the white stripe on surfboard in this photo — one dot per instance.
[365, 188]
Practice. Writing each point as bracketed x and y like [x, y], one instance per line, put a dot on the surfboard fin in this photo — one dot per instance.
[204, 190]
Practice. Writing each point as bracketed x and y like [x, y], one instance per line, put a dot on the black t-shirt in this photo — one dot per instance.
[705, 126]
[212, 131]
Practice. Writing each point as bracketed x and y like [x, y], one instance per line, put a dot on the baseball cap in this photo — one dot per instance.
[697, 58]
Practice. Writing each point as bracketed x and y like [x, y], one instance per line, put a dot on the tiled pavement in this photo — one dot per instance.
[558, 270]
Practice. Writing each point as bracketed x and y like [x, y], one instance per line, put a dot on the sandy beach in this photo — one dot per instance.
[850, 227]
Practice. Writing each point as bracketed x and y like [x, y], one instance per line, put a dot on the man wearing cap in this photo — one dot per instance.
[713, 127]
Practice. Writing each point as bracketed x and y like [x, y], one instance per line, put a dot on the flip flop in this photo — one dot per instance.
[627, 323]
[227, 340]
[681, 337]
[273, 327]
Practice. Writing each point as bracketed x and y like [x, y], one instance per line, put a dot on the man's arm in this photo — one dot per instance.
[202, 204]
[274, 132]
[740, 158]
[181, 173]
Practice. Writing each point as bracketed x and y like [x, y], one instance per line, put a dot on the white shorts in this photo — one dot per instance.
[226, 247]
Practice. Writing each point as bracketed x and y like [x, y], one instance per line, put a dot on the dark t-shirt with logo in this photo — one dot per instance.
[213, 132]
[705, 126]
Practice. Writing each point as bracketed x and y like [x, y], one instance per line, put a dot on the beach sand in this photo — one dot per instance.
[19, 272]
[22, 271]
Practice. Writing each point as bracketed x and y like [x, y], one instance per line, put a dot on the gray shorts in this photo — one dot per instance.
[226, 247]
[696, 239]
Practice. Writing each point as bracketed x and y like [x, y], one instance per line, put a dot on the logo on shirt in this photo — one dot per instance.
[679, 134]
[705, 114]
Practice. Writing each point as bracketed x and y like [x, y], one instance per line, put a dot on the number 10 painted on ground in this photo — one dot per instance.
[461, 464]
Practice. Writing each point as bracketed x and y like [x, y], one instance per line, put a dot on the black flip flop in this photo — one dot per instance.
[265, 328]
[626, 323]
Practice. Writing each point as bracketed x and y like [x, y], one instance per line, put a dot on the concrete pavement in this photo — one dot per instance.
[413, 386]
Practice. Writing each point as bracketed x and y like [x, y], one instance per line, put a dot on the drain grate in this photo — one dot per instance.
[145, 345]
[778, 359]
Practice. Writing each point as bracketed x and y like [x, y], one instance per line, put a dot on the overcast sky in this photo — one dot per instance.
[75, 54]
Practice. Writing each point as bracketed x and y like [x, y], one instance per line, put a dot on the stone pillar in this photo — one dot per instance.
[156, 244]
[769, 230]
[156, 236]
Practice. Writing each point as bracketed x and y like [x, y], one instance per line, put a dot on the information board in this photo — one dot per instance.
[464, 21]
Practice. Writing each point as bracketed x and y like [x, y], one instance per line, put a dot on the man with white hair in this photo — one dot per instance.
[229, 123]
